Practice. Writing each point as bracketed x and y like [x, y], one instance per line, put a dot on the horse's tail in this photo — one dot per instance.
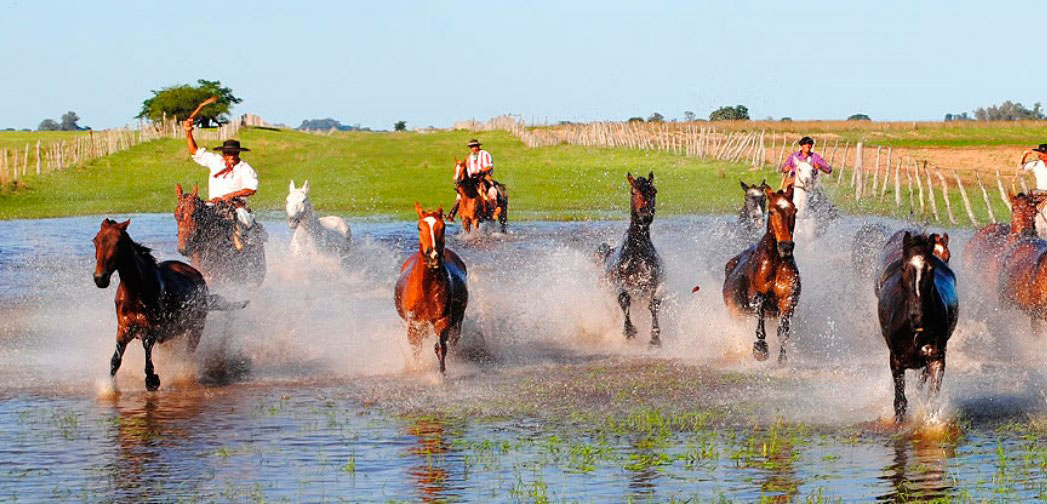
[218, 303]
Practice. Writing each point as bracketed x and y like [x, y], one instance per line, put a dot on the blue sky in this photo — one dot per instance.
[431, 63]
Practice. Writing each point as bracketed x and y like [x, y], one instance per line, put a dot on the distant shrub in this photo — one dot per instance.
[656, 117]
[635, 119]
[786, 119]
[735, 113]
[1009, 111]
[958, 117]
[400, 126]
[859, 117]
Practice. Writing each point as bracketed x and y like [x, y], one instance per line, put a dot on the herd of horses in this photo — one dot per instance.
[915, 289]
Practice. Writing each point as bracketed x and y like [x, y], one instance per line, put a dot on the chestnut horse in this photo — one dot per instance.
[990, 244]
[1021, 282]
[432, 289]
[473, 209]
[763, 280]
[634, 266]
[204, 236]
[918, 308]
[154, 302]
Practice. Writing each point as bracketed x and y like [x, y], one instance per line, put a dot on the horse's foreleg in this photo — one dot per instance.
[443, 329]
[936, 372]
[623, 301]
[656, 332]
[760, 350]
[152, 381]
[118, 355]
[898, 372]
[783, 337]
[503, 217]
[414, 337]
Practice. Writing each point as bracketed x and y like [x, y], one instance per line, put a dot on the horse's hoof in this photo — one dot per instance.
[760, 351]
[656, 341]
[782, 359]
[152, 382]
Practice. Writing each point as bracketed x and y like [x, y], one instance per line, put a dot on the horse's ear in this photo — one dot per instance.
[945, 239]
[907, 238]
[763, 182]
[196, 190]
[650, 177]
[305, 186]
[789, 192]
[767, 192]
[291, 187]
[440, 214]
[933, 239]
[418, 209]
[1011, 196]
[629, 177]
[123, 225]
[744, 187]
[178, 190]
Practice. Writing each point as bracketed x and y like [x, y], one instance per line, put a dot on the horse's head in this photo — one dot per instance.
[1024, 208]
[781, 218]
[187, 214]
[941, 246]
[917, 274]
[430, 235]
[297, 204]
[755, 199]
[805, 173]
[107, 247]
[643, 197]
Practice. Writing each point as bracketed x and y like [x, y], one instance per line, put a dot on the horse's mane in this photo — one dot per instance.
[142, 251]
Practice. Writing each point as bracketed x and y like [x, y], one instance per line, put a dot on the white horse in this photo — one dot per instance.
[803, 188]
[329, 235]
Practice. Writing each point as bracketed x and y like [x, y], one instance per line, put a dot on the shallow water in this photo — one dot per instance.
[311, 393]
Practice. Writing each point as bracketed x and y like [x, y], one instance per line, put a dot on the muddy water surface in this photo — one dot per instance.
[312, 394]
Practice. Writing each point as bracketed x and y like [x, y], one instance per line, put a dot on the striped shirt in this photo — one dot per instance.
[477, 162]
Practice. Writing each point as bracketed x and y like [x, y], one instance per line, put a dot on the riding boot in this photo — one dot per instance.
[454, 210]
[238, 240]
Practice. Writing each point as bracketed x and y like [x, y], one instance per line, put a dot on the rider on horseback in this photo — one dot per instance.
[477, 166]
[1038, 167]
[804, 156]
[231, 182]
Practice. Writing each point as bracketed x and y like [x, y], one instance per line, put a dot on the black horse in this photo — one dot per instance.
[634, 266]
[918, 308]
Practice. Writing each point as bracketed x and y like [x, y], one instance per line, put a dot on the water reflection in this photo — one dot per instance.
[781, 481]
[918, 469]
[432, 466]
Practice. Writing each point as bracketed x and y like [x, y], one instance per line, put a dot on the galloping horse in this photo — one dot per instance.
[813, 208]
[917, 308]
[204, 236]
[154, 302]
[473, 209]
[763, 279]
[1021, 278]
[751, 218]
[987, 248]
[634, 266]
[432, 289]
[328, 234]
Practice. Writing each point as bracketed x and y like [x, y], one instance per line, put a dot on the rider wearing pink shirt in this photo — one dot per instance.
[804, 155]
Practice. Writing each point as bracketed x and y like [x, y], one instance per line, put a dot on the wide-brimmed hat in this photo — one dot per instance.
[473, 143]
[1042, 148]
[806, 141]
[231, 146]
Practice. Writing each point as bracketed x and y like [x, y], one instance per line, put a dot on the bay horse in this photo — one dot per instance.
[432, 290]
[473, 208]
[763, 280]
[986, 249]
[918, 308]
[1021, 280]
[205, 237]
[312, 233]
[634, 267]
[155, 302]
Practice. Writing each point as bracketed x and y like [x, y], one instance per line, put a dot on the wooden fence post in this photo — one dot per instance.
[930, 193]
[945, 196]
[985, 197]
[966, 200]
[1003, 193]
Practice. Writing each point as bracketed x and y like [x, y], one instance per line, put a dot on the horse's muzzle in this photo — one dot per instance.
[292, 223]
[102, 281]
[785, 248]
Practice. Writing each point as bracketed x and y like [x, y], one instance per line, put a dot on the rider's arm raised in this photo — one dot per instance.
[190, 142]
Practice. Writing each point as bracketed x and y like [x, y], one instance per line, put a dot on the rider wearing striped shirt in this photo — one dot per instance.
[478, 165]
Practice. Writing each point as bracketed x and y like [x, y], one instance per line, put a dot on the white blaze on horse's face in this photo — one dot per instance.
[784, 204]
[431, 222]
[939, 249]
[918, 263]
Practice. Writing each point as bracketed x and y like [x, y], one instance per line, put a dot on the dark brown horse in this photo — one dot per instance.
[918, 308]
[1021, 281]
[473, 208]
[432, 289]
[989, 245]
[205, 237]
[634, 267]
[154, 302]
[763, 280]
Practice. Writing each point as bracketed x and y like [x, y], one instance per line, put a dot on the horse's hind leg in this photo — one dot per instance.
[900, 404]
[152, 381]
[623, 301]
[503, 218]
[656, 332]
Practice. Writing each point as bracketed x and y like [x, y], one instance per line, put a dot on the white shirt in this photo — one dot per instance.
[477, 162]
[1040, 171]
[241, 177]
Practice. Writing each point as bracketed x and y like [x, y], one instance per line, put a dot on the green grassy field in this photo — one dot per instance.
[384, 173]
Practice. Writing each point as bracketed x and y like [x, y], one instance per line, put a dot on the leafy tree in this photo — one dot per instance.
[69, 121]
[400, 126]
[656, 117]
[786, 119]
[180, 100]
[859, 117]
[328, 123]
[636, 119]
[689, 116]
[958, 117]
[1009, 111]
[735, 113]
[49, 125]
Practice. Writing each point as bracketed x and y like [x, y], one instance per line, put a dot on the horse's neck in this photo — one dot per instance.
[137, 273]
[638, 236]
[309, 218]
[438, 277]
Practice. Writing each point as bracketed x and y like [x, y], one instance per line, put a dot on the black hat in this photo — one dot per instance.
[231, 146]
[806, 141]
[1042, 148]
[473, 143]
